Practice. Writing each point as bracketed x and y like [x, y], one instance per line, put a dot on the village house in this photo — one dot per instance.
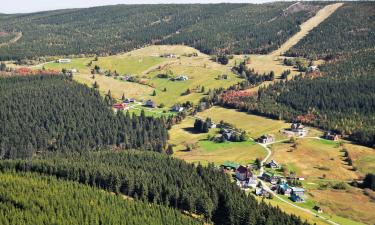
[284, 189]
[64, 61]
[266, 139]
[130, 100]
[150, 103]
[273, 164]
[297, 194]
[270, 177]
[177, 108]
[298, 129]
[120, 106]
[168, 56]
[260, 191]
[243, 173]
[227, 134]
[331, 136]
[318, 209]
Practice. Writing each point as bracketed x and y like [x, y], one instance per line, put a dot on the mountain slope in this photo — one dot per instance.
[111, 29]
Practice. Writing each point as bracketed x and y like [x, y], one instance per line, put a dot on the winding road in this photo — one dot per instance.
[267, 188]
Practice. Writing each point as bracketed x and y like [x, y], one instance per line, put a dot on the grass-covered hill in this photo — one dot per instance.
[158, 178]
[349, 29]
[211, 28]
[53, 113]
[29, 198]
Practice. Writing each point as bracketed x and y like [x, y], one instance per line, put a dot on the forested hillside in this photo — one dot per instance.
[342, 100]
[212, 28]
[54, 113]
[158, 178]
[350, 28]
[31, 199]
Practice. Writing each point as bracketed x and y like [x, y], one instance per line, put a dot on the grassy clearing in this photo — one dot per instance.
[351, 204]
[363, 158]
[77, 63]
[205, 151]
[254, 125]
[117, 87]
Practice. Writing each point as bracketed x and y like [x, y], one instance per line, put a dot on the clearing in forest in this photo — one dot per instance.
[205, 151]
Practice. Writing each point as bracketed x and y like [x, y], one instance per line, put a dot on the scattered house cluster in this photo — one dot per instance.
[331, 136]
[244, 177]
[270, 177]
[120, 106]
[150, 103]
[266, 139]
[177, 108]
[63, 61]
[298, 129]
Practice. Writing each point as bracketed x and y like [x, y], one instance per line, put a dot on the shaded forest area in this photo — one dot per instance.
[211, 28]
[158, 178]
[28, 198]
[54, 113]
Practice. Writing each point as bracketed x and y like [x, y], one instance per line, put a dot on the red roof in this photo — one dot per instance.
[120, 106]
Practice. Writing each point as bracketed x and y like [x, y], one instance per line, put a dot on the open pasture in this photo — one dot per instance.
[205, 151]
[254, 125]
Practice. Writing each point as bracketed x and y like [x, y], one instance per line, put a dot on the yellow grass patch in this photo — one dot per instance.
[352, 204]
[363, 158]
[254, 125]
[314, 159]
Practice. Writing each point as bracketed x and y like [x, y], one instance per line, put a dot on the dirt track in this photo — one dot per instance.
[306, 27]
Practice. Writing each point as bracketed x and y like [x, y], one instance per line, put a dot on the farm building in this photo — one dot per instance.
[150, 103]
[242, 173]
[64, 60]
[331, 136]
[298, 129]
[266, 139]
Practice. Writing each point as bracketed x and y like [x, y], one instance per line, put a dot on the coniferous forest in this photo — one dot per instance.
[34, 199]
[54, 113]
[158, 178]
[211, 28]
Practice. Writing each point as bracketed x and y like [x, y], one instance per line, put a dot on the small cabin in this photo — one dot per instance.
[229, 165]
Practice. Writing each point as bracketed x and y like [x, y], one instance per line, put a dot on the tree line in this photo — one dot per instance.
[158, 178]
[54, 113]
[29, 198]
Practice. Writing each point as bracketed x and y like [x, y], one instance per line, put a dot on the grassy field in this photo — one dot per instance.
[205, 151]
[314, 159]
[254, 125]
[322, 162]
[146, 64]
